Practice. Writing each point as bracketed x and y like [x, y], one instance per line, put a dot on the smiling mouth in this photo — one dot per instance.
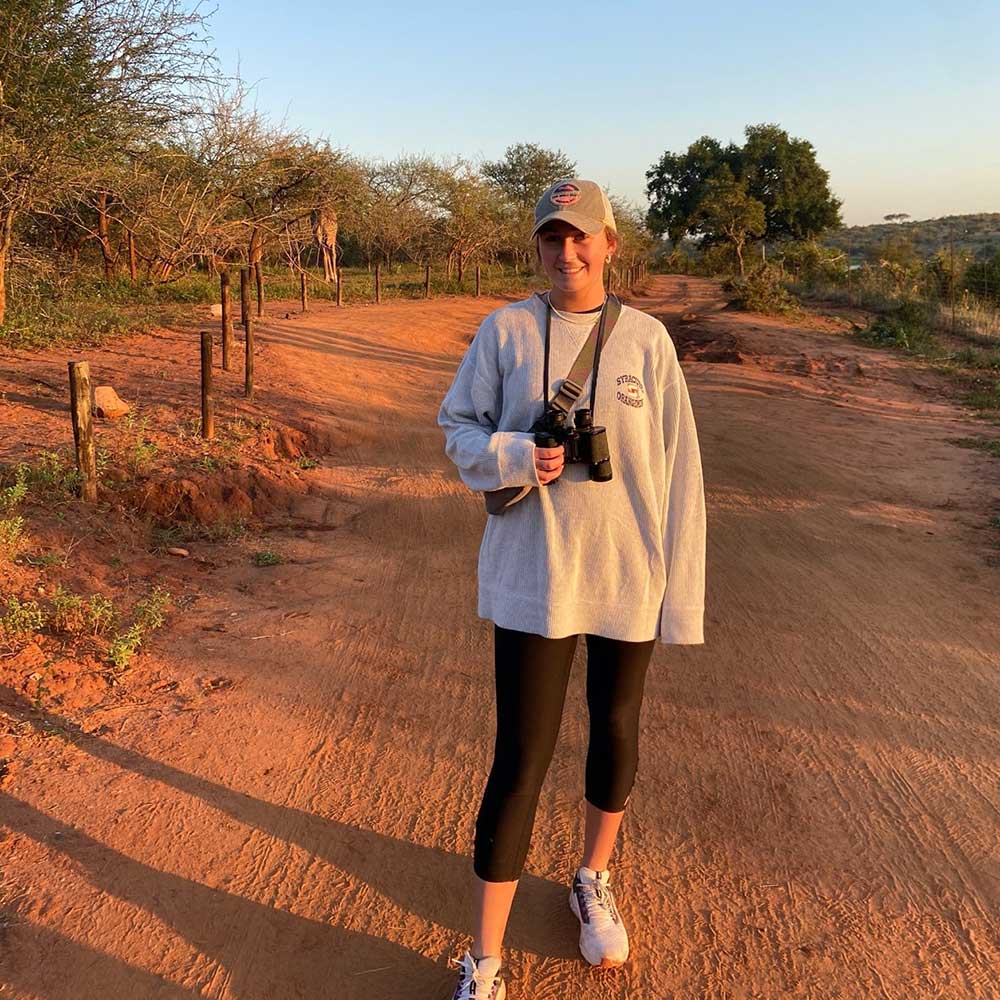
[569, 270]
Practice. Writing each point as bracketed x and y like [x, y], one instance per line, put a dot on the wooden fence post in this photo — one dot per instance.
[304, 291]
[259, 278]
[227, 320]
[478, 280]
[340, 287]
[207, 404]
[131, 256]
[83, 429]
[244, 296]
[427, 281]
[378, 283]
[248, 362]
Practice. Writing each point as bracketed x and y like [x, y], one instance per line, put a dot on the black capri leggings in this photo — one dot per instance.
[532, 674]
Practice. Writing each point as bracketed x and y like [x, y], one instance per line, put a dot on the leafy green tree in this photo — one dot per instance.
[526, 170]
[676, 186]
[781, 173]
[730, 212]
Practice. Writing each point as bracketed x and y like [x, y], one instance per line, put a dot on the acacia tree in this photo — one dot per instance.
[634, 239]
[520, 178]
[395, 211]
[473, 221]
[81, 81]
[526, 170]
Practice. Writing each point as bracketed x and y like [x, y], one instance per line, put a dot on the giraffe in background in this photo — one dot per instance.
[324, 229]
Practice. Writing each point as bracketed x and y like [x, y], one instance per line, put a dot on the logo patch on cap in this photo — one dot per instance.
[565, 194]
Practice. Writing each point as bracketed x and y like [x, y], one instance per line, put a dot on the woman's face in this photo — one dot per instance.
[573, 260]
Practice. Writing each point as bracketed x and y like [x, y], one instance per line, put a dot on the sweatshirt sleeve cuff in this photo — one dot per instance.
[517, 459]
[682, 628]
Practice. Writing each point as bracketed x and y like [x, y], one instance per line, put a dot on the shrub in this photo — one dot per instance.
[68, 613]
[907, 327]
[149, 616]
[266, 559]
[11, 532]
[763, 290]
[19, 621]
[11, 496]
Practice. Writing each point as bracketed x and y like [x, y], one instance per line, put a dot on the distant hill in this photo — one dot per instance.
[978, 234]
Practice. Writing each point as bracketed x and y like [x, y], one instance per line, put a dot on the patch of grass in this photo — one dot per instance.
[267, 558]
[149, 616]
[38, 321]
[970, 357]
[984, 394]
[166, 536]
[308, 463]
[53, 476]
[218, 531]
[46, 560]
[990, 445]
[141, 451]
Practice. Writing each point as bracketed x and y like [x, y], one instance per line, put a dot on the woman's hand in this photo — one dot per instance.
[549, 463]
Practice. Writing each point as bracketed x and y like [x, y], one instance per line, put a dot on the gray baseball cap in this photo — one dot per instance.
[580, 203]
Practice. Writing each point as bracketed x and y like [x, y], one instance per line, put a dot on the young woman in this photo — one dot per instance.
[620, 561]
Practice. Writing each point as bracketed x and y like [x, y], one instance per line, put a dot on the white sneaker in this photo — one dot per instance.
[603, 939]
[479, 980]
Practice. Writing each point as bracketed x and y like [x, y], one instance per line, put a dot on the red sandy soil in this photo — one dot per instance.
[277, 799]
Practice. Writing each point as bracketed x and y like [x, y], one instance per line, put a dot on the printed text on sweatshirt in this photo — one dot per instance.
[623, 559]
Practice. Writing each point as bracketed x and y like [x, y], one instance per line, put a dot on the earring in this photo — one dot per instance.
[607, 260]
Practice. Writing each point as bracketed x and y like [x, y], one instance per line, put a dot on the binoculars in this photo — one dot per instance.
[583, 443]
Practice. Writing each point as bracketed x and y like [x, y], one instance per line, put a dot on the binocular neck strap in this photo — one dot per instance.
[588, 359]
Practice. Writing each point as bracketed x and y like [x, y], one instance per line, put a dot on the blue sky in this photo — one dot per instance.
[900, 100]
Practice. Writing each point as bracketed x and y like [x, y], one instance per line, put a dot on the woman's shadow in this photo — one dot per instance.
[278, 953]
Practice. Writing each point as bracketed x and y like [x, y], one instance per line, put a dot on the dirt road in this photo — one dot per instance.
[287, 810]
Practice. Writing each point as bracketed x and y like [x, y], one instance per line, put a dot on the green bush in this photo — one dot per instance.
[907, 327]
[267, 559]
[149, 616]
[19, 621]
[763, 290]
[11, 532]
[12, 495]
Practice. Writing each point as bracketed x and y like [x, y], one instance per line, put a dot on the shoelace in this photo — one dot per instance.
[467, 989]
[599, 904]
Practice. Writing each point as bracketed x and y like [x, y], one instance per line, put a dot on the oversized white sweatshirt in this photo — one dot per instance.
[623, 559]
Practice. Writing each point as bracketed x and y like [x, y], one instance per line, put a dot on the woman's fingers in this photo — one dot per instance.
[549, 463]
